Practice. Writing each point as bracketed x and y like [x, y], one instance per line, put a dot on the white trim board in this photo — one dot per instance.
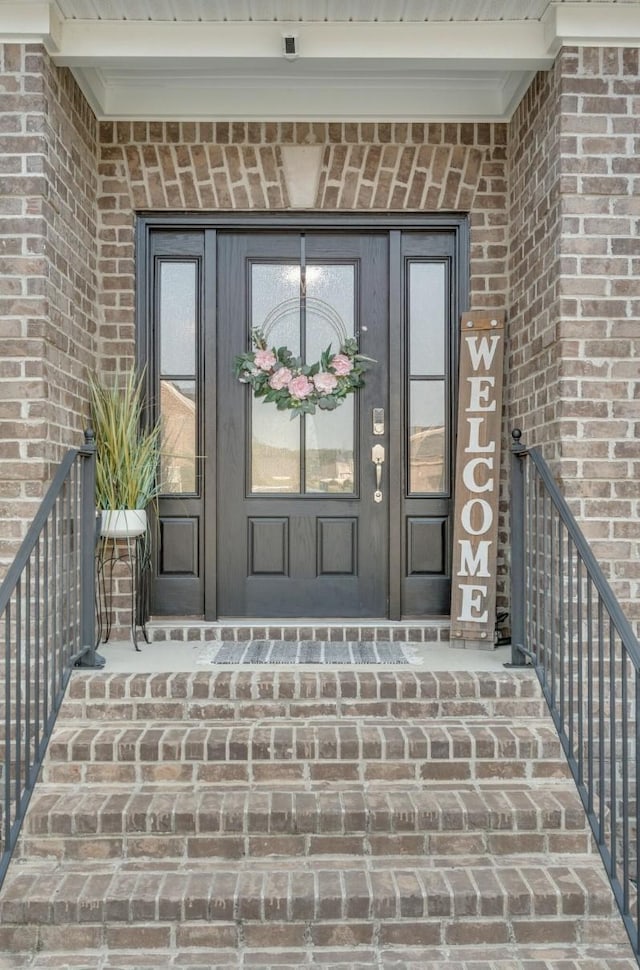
[420, 71]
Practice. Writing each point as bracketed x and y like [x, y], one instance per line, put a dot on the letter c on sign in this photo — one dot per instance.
[487, 516]
[468, 475]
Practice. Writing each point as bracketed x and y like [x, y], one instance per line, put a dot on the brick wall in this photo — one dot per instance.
[47, 276]
[365, 167]
[186, 166]
[575, 293]
[534, 214]
[600, 305]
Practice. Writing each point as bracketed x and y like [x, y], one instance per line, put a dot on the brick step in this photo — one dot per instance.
[194, 824]
[497, 957]
[219, 709]
[396, 901]
[161, 629]
[363, 739]
[556, 956]
[250, 695]
[297, 752]
[278, 819]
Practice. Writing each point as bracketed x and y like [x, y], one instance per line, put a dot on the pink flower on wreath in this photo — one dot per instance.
[325, 383]
[342, 364]
[265, 359]
[300, 387]
[280, 379]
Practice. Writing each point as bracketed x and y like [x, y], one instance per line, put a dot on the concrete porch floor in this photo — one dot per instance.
[174, 656]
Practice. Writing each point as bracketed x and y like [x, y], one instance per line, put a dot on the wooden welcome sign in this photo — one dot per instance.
[475, 533]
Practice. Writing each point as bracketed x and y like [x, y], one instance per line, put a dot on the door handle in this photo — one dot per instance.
[377, 457]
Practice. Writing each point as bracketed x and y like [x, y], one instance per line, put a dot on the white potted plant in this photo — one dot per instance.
[127, 454]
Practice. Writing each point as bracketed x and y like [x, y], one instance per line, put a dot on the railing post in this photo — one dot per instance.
[518, 658]
[90, 659]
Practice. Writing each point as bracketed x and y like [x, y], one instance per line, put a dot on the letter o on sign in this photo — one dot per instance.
[487, 516]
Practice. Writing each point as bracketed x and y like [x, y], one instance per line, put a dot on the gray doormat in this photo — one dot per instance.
[307, 652]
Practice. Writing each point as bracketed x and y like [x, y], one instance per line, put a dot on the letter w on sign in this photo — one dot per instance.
[475, 530]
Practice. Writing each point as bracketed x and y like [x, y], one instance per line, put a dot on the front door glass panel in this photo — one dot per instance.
[306, 308]
[179, 425]
[275, 450]
[426, 437]
[427, 317]
[428, 339]
[329, 307]
[329, 452]
[177, 379]
[177, 312]
[275, 303]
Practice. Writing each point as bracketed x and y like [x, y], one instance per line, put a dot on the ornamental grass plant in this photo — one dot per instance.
[127, 445]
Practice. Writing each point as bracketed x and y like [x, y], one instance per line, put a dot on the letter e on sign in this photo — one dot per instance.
[475, 529]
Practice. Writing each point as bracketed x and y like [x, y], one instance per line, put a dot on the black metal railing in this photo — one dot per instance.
[47, 615]
[567, 622]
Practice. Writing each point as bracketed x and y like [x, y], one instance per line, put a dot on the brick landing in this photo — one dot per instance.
[280, 819]
[434, 631]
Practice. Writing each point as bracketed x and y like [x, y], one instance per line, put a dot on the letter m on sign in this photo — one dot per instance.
[477, 479]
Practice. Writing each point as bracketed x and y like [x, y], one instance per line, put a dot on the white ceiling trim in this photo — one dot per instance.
[404, 71]
[603, 24]
[508, 43]
[224, 99]
[26, 23]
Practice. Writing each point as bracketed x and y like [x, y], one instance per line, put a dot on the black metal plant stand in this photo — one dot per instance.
[133, 553]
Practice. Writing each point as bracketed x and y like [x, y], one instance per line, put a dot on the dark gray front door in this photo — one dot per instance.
[300, 532]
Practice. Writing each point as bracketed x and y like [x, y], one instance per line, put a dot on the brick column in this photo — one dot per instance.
[573, 368]
[47, 276]
[599, 292]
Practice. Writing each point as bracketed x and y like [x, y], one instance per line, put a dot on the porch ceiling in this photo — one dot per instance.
[357, 59]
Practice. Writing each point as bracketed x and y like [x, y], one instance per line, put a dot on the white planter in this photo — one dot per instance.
[123, 523]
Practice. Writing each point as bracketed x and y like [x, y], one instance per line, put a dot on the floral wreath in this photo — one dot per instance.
[284, 380]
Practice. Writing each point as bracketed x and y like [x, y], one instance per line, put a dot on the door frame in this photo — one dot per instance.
[210, 223]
